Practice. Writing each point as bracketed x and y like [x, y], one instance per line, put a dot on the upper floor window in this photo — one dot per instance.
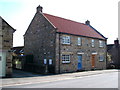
[6, 41]
[93, 43]
[101, 43]
[65, 58]
[65, 39]
[79, 41]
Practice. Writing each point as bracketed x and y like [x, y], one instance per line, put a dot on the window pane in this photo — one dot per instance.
[92, 42]
[66, 40]
[79, 41]
[65, 58]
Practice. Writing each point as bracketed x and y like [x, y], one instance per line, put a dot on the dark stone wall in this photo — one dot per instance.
[113, 60]
[39, 41]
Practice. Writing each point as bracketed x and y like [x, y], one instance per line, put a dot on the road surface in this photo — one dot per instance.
[104, 80]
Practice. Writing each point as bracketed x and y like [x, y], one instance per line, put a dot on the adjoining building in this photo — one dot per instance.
[57, 45]
[18, 57]
[6, 43]
[113, 55]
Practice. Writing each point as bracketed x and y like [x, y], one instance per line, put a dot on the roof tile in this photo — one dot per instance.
[72, 27]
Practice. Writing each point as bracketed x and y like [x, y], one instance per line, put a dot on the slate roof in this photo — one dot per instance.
[72, 27]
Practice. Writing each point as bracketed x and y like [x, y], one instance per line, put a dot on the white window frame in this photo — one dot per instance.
[79, 41]
[93, 43]
[101, 58]
[101, 43]
[65, 39]
[65, 58]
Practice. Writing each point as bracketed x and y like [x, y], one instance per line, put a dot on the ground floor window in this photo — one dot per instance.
[65, 58]
[101, 58]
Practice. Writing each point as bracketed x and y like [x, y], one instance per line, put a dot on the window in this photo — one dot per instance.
[79, 41]
[65, 39]
[45, 61]
[101, 58]
[93, 43]
[100, 43]
[6, 40]
[65, 58]
[0, 58]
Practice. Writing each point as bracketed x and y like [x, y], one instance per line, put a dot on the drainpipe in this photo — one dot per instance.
[59, 52]
[106, 52]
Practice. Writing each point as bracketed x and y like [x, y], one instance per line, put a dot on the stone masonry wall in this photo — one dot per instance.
[86, 51]
[1, 33]
[39, 40]
[6, 43]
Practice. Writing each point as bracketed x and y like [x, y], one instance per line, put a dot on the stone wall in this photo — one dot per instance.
[113, 51]
[6, 43]
[39, 41]
[7, 36]
[1, 33]
[73, 49]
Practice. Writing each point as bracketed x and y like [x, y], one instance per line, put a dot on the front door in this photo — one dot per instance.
[2, 64]
[79, 62]
[93, 61]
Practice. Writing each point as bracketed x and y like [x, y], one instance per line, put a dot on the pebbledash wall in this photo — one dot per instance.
[44, 42]
[85, 49]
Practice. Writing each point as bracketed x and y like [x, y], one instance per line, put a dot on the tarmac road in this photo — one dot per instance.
[99, 80]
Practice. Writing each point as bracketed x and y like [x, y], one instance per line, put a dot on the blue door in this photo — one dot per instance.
[79, 62]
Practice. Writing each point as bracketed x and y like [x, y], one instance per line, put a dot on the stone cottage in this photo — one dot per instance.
[113, 55]
[6, 43]
[60, 45]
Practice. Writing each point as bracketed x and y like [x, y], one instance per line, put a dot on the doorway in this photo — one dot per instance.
[93, 61]
[79, 62]
[2, 64]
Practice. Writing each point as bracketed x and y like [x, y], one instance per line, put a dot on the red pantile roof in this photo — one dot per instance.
[72, 27]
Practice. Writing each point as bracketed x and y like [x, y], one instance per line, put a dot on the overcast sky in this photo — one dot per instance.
[102, 14]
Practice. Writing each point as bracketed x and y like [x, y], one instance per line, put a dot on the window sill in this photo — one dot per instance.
[101, 60]
[101, 47]
[65, 62]
[79, 45]
[66, 44]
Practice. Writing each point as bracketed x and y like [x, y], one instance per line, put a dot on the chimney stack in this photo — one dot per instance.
[87, 22]
[116, 42]
[39, 8]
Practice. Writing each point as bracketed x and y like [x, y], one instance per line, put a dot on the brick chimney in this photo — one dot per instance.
[116, 42]
[87, 22]
[39, 8]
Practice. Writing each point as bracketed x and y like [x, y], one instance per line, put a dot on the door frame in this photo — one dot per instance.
[93, 60]
[79, 68]
[93, 63]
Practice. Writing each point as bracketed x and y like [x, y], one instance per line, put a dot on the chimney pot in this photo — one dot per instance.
[116, 42]
[39, 8]
[87, 22]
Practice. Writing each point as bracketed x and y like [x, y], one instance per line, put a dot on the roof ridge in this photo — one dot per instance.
[65, 19]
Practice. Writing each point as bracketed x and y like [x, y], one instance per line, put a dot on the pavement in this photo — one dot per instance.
[50, 78]
[21, 74]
